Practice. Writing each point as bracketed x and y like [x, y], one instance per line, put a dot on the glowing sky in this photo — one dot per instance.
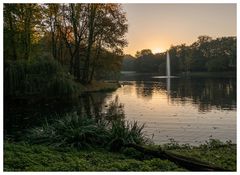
[158, 26]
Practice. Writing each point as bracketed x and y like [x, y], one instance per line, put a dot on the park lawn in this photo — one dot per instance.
[26, 157]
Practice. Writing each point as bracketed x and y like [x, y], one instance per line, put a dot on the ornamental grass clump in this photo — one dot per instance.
[129, 132]
[84, 132]
[70, 130]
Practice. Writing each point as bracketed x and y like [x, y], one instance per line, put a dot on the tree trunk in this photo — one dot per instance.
[90, 43]
[186, 162]
[27, 31]
[53, 45]
[77, 64]
[94, 62]
[12, 37]
[77, 44]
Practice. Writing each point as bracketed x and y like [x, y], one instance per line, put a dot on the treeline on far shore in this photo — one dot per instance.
[204, 55]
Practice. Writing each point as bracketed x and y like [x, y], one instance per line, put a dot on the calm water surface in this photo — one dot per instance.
[189, 111]
[186, 110]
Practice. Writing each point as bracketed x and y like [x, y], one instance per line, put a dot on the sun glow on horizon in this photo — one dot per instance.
[157, 50]
[160, 26]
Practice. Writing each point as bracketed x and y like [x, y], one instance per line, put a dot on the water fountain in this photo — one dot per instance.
[168, 74]
[168, 71]
[168, 68]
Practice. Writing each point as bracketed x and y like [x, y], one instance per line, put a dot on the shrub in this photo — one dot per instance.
[43, 77]
[129, 132]
[62, 85]
[81, 131]
[71, 130]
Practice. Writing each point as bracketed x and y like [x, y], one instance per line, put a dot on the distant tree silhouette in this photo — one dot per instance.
[206, 54]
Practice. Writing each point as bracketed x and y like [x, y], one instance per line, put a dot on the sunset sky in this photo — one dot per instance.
[158, 26]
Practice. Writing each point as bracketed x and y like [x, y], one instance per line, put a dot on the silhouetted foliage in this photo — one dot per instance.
[41, 77]
[128, 63]
[206, 54]
[86, 39]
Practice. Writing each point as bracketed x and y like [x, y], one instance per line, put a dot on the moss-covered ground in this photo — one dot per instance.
[26, 157]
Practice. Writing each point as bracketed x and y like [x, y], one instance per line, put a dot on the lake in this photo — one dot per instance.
[192, 111]
[188, 110]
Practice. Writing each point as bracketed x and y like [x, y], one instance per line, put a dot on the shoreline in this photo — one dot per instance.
[231, 74]
[100, 86]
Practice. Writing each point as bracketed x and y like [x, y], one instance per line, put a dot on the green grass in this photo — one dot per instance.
[213, 151]
[29, 157]
[26, 157]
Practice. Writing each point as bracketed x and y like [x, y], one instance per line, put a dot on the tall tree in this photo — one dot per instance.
[10, 49]
[23, 22]
[92, 8]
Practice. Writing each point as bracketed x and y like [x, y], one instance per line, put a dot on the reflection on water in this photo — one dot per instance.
[190, 111]
[193, 111]
[205, 94]
[19, 115]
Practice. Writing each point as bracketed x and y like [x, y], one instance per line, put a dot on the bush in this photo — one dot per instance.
[71, 130]
[43, 77]
[83, 132]
[129, 132]
[212, 144]
[62, 85]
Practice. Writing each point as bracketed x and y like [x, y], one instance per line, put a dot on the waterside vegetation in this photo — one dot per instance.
[80, 143]
[63, 51]
[34, 157]
[59, 50]
[206, 55]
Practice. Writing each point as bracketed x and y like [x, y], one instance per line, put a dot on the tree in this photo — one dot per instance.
[76, 35]
[206, 54]
[143, 52]
[128, 63]
[91, 9]
[146, 61]
[52, 21]
[22, 27]
[10, 50]
[109, 28]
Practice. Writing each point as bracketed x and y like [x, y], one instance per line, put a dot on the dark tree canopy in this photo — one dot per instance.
[78, 36]
[206, 54]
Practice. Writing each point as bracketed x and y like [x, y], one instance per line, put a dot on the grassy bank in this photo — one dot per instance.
[215, 152]
[26, 157]
[101, 86]
[80, 143]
